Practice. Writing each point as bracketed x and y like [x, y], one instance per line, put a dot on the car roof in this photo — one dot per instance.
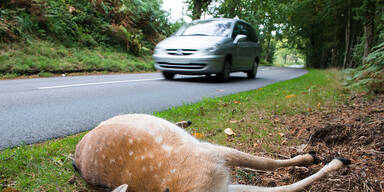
[215, 19]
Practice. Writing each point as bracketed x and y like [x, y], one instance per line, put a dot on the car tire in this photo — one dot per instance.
[224, 75]
[253, 72]
[168, 76]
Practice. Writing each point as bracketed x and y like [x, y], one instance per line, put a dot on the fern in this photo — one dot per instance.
[371, 74]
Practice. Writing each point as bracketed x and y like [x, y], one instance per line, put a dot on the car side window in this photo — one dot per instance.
[240, 28]
[251, 33]
[236, 30]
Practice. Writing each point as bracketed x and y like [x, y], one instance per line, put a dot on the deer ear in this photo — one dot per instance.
[121, 188]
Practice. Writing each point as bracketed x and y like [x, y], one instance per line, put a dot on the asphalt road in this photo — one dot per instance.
[34, 110]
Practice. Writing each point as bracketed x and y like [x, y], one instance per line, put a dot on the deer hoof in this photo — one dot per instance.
[344, 161]
[316, 160]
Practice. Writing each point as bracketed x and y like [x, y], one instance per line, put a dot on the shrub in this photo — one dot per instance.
[371, 74]
[85, 23]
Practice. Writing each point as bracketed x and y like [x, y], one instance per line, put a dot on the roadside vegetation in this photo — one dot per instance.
[252, 115]
[44, 59]
[48, 37]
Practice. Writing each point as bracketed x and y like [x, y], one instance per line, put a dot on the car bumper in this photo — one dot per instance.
[191, 65]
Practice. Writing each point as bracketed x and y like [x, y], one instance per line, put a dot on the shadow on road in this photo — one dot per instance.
[209, 79]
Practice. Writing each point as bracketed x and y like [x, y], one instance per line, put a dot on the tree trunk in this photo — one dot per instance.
[369, 28]
[266, 56]
[347, 53]
[315, 54]
[197, 9]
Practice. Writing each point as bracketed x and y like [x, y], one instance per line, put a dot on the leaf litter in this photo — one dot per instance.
[354, 130]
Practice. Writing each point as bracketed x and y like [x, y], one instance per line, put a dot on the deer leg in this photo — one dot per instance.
[121, 188]
[300, 185]
[234, 157]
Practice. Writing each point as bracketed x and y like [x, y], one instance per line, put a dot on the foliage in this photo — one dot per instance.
[371, 74]
[44, 57]
[197, 7]
[133, 24]
[327, 32]
[286, 56]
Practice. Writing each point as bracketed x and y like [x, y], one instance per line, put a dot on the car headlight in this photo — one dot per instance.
[211, 49]
[158, 50]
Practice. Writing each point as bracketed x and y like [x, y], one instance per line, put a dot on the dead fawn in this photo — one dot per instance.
[140, 152]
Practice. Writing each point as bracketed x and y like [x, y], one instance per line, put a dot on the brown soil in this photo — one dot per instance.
[354, 130]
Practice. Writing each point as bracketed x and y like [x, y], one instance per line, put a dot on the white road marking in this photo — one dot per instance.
[98, 83]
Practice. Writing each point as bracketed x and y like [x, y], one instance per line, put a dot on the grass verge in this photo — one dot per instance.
[251, 115]
[44, 59]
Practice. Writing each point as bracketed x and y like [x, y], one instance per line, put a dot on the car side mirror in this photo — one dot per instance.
[239, 38]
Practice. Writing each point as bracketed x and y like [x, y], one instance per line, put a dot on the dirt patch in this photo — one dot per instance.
[354, 130]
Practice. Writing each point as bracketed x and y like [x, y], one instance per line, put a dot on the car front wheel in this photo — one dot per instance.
[224, 75]
[168, 76]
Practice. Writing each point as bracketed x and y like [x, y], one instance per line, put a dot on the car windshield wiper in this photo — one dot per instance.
[197, 34]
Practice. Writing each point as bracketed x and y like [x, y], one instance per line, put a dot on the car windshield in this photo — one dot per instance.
[206, 28]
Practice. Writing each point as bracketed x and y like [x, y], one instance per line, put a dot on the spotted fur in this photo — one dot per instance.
[151, 154]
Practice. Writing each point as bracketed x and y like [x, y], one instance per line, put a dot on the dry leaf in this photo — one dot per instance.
[198, 135]
[57, 161]
[10, 189]
[290, 96]
[71, 9]
[236, 102]
[233, 121]
[300, 148]
[229, 131]
[281, 134]
[319, 105]
[72, 180]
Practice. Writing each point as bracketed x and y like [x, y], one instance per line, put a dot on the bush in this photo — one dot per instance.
[87, 23]
[371, 74]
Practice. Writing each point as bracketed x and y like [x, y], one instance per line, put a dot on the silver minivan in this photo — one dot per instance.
[206, 47]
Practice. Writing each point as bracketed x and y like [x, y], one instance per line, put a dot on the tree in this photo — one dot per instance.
[369, 23]
[327, 32]
[197, 7]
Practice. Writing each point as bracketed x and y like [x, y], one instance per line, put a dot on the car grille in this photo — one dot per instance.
[181, 51]
[181, 66]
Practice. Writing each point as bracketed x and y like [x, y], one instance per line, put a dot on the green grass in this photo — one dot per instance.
[47, 57]
[47, 166]
[255, 110]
